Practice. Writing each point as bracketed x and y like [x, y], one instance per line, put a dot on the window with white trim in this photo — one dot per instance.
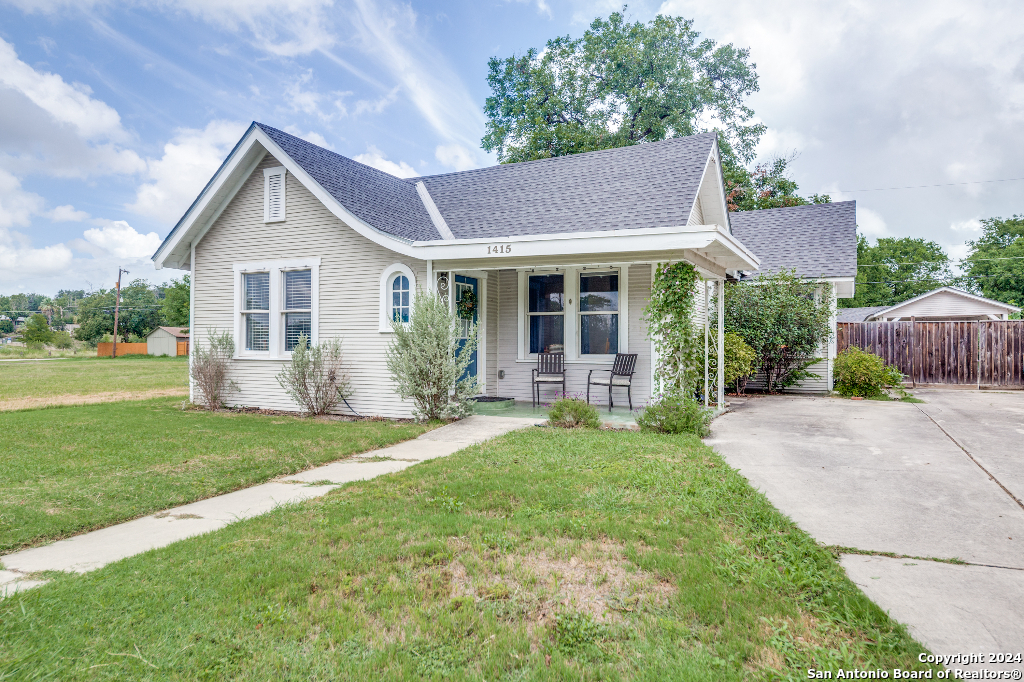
[400, 298]
[598, 313]
[256, 310]
[298, 307]
[274, 195]
[276, 303]
[545, 313]
[397, 289]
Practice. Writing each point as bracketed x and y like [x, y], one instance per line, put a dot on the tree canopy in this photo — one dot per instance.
[625, 83]
[619, 84]
[140, 312]
[176, 302]
[894, 270]
[1003, 278]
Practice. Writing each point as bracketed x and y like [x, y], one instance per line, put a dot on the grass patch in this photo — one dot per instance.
[92, 375]
[543, 555]
[66, 470]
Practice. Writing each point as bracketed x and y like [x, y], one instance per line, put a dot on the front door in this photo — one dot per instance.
[462, 286]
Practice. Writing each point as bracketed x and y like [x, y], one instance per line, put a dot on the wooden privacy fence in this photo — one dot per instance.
[106, 350]
[966, 353]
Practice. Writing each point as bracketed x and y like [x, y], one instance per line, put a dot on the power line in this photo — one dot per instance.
[935, 280]
[945, 184]
[939, 262]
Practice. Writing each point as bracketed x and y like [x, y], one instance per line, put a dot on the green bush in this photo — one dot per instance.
[864, 374]
[572, 413]
[740, 361]
[675, 414]
[62, 340]
[6, 327]
[37, 330]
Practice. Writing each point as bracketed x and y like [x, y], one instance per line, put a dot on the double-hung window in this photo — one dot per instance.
[599, 313]
[276, 302]
[546, 313]
[256, 310]
[298, 307]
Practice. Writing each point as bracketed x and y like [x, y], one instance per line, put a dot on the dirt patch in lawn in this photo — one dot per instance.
[105, 397]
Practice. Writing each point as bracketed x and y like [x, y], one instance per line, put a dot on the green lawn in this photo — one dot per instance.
[91, 375]
[66, 470]
[543, 555]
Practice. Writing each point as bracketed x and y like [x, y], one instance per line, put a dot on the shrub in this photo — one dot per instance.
[858, 373]
[740, 361]
[785, 319]
[675, 414]
[62, 340]
[316, 377]
[427, 364]
[6, 327]
[209, 368]
[572, 413]
[37, 330]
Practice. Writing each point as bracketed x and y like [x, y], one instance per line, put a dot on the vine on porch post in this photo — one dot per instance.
[670, 324]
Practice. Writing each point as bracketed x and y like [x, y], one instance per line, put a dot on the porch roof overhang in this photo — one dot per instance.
[709, 247]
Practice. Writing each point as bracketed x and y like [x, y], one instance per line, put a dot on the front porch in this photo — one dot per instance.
[586, 309]
[619, 417]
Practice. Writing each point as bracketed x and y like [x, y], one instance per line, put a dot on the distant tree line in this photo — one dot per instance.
[143, 308]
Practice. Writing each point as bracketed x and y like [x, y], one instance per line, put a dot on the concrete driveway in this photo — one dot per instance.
[943, 479]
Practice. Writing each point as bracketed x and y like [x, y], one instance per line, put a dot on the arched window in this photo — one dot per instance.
[397, 289]
[400, 298]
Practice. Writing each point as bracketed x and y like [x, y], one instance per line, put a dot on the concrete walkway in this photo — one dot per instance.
[94, 550]
[937, 480]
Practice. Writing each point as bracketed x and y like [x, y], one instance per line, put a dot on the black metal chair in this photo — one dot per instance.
[550, 370]
[621, 374]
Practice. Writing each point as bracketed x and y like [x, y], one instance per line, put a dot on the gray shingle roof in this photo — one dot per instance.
[647, 185]
[816, 240]
[859, 314]
[379, 199]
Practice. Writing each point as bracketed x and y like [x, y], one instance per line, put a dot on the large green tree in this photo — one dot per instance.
[894, 270]
[619, 84]
[140, 312]
[625, 83]
[37, 330]
[176, 302]
[995, 265]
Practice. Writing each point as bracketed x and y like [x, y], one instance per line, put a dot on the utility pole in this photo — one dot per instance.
[117, 305]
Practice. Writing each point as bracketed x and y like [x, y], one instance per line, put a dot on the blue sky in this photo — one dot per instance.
[114, 114]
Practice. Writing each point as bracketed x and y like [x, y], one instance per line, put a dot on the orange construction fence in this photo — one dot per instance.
[106, 350]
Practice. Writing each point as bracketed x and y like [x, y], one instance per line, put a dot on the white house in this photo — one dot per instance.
[290, 238]
[945, 304]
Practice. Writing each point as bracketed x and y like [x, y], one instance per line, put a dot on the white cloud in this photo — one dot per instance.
[542, 6]
[120, 239]
[19, 260]
[971, 226]
[310, 136]
[68, 104]
[375, 159]
[456, 156]
[871, 224]
[68, 214]
[376, 106]
[190, 159]
[17, 206]
[391, 36]
[888, 94]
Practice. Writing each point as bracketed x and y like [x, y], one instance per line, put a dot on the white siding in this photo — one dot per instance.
[350, 271]
[945, 305]
[490, 344]
[162, 342]
[517, 382]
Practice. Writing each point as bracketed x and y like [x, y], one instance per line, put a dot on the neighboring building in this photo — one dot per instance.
[945, 304]
[289, 238]
[167, 341]
[818, 242]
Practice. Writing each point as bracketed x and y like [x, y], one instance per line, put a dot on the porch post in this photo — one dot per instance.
[431, 284]
[721, 344]
[707, 314]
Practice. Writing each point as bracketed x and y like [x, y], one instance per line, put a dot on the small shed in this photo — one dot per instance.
[946, 304]
[167, 341]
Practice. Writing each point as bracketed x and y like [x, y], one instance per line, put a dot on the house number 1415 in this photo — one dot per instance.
[501, 248]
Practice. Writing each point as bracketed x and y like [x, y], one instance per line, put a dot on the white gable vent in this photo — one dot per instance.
[273, 195]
